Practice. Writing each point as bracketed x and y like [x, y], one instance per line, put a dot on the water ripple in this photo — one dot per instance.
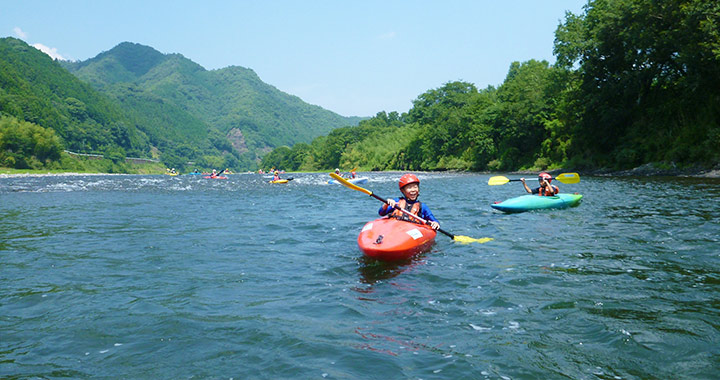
[181, 277]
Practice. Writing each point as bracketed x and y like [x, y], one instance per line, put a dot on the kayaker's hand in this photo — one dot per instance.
[391, 203]
[434, 225]
[522, 180]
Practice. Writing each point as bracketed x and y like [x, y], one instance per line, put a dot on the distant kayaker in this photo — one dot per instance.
[410, 187]
[353, 175]
[545, 189]
[214, 173]
[337, 171]
[276, 176]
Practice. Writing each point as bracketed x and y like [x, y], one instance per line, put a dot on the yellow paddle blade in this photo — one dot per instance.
[498, 180]
[467, 239]
[348, 184]
[568, 178]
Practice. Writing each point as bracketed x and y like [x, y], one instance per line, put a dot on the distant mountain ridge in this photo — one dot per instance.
[254, 116]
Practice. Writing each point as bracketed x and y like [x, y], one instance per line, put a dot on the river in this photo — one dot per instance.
[159, 277]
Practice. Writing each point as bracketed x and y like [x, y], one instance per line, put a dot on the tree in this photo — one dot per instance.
[650, 80]
[26, 145]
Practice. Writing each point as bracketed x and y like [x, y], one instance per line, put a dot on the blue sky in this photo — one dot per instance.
[356, 58]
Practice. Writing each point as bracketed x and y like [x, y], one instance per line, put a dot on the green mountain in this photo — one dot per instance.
[239, 111]
[36, 89]
[136, 101]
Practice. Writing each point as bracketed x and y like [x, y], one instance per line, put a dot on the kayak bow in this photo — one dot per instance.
[390, 239]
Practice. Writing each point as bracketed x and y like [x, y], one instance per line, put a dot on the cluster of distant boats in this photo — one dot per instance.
[222, 175]
[173, 172]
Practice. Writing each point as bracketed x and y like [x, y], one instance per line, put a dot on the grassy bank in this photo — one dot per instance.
[75, 164]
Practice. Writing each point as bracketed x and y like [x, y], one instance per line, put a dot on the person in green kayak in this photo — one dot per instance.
[410, 187]
[545, 189]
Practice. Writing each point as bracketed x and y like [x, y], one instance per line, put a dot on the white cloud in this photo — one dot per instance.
[52, 52]
[387, 36]
[19, 33]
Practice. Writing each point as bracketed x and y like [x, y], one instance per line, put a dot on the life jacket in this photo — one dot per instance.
[542, 192]
[413, 209]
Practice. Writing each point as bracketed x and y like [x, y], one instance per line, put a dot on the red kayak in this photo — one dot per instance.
[390, 239]
[216, 177]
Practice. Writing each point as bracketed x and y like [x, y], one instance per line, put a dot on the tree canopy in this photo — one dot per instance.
[636, 81]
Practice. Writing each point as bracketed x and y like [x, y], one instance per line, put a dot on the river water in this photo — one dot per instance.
[158, 277]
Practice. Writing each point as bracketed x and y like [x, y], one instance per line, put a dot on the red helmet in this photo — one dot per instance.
[407, 179]
[545, 176]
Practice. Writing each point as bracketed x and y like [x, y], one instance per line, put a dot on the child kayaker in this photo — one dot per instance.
[545, 189]
[410, 187]
[276, 176]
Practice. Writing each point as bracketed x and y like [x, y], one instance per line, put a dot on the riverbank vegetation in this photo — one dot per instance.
[29, 148]
[636, 82]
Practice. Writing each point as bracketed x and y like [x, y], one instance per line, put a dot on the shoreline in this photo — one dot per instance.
[68, 174]
[646, 170]
[642, 171]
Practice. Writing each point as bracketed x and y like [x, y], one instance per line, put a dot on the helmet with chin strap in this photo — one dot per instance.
[545, 176]
[407, 179]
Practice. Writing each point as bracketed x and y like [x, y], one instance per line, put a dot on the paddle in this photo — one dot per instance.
[211, 175]
[349, 175]
[350, 172]
[458, 238]
[566, 178]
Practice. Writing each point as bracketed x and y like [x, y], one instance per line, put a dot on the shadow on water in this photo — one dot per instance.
[373, 271]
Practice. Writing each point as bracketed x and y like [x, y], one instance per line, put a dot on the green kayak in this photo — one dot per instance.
[535, 202]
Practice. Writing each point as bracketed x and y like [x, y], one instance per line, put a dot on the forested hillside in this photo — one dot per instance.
[143, 103]
[230, 106]
[636, 82]
[43, 105]
[36, 89]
